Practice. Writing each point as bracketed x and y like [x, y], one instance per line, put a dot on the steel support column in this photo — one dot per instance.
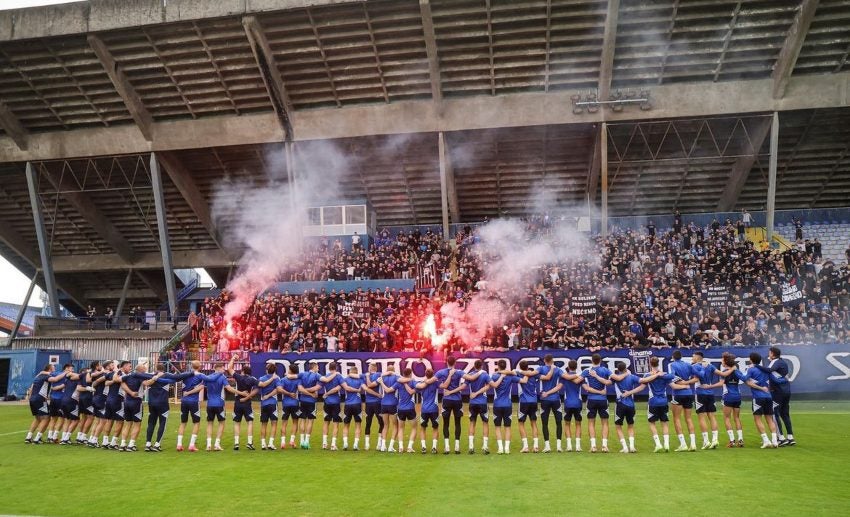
[123, 298]
[23, 310]
[603, 173]
[43, 244]
[444, 190]
[771, 177]
[164, 241]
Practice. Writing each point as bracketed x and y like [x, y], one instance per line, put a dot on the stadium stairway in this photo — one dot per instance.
[833, 235]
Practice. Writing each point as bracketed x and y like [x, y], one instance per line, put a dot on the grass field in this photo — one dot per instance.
[51, 480]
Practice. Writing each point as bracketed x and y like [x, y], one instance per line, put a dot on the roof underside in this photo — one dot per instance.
[379, 52]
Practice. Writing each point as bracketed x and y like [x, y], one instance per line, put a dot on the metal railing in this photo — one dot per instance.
[161, 323]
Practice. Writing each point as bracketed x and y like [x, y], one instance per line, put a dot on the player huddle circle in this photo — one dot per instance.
[103, 404]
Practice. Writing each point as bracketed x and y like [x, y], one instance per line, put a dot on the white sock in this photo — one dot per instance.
[605, 442]
[366, 442]
[657, 440]
[773, 438]
[217, 442]
[356, 443]
[693, 441]
[123, 442]
[333, 441]
[593, 442]
[410, 443]
[780, 436]
[682, 441]
[434, 443]
[38, 436]
[446, 443]
[156, 444]
[501, 446]
[392, 443]
[147, 444]
[114, 441]
[578, 443]
[345, 442]
[235, 439]
[789, 436]
[764, 438]
[324, 440]
[666, 441]
[570, 444]
[457, 445]
[623, 443]
[209, 442]
[714, 436]
[558, 444]
[471, 442]
[731, 435]
[741, 434]
[507, 446]
[106, 440]
[525, 443]
[132, 443]
[29, 435]
[486, 439]
[705, 437]
[192, 440]
[631, 442]
[263, 443]
[535, 443]
[291, 438]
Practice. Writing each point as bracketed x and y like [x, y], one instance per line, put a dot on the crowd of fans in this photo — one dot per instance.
[651, 287]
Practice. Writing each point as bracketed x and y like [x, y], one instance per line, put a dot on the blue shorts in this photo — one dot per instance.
[452, 406]
[215, 413]
[430, 416]
[389, 409]
[288, 412]
[658, 413]
[478, 409]
[269, 412]
[114, 410]
[502, 416]
[99, 403]
[39, 408]
[86, 405]
[572, 413]
[705, 404]
[353, 412]
[686, 401]
[626, 413]
[307, 410]
[54, 407]
[762, 406]
[190, 409]
[550, 406]
[527, 410]
[735, 403]
[597, 407]
[332, 412]
[132, 410]
[406, 414]
[243, 410]
[70, 410]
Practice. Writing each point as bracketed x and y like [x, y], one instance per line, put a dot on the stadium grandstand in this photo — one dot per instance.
[248, 191]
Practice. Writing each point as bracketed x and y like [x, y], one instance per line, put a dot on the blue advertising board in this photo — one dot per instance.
[813, 368]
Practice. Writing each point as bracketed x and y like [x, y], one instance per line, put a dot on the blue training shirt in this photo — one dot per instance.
[551, 383]
[658, 389]
[732, 386]
[707, 374]
[390, 398]
[352, 397]
[503, 390]
[528, 391]
[308, 380]
[572, 393]
[762, 379]
[594, 383]
[40, 388]
[288, 384]
[429, 398]
[682, 371]
[266, 390]
[629, 382]
[372, 377]
[214, 386]
[477, 384]
[457, 375]
[336, 397]
[406, 400]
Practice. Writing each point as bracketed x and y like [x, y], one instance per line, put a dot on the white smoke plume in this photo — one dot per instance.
[266, 217]
[512, 259]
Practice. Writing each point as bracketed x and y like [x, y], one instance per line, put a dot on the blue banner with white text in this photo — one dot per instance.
[813, 368]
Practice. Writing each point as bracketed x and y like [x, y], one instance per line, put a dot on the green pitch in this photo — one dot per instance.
[812, 477]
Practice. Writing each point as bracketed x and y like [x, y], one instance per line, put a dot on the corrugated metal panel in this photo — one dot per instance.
[128, 349]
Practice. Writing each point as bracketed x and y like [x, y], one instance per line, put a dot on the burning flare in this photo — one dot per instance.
[429, 330]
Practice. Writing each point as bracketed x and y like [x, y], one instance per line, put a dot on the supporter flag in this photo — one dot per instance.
[791, 294]
[426, 276]
[584, 305]
[717, 297]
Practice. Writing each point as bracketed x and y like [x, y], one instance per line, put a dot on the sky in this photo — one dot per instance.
[17, 4]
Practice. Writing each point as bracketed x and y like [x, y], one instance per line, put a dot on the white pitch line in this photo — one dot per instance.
[13, 432]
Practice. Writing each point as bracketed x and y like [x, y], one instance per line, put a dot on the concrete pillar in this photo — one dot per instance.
[444, 189]
[164, 240]
[120, 308]
[771, 177]
[43, 244]
[23, 310]
[603, 172]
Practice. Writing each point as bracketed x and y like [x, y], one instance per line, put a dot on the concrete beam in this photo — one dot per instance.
[102, 15]
[44, 242]
[594, 164]
[16, 243]
[771, 175]
[480, 112]
[603, 170]
[609, 44]
[112, 262]
[122, 85]
[741, 169]
[115, 294]
[91, 214]
[182, 179]
[12, 126]
[164, 239]
[431, 49]
[444, 194]
[270, 73]
[784, 66]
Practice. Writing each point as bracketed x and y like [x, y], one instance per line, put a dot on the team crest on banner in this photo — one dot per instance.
[640, 361]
